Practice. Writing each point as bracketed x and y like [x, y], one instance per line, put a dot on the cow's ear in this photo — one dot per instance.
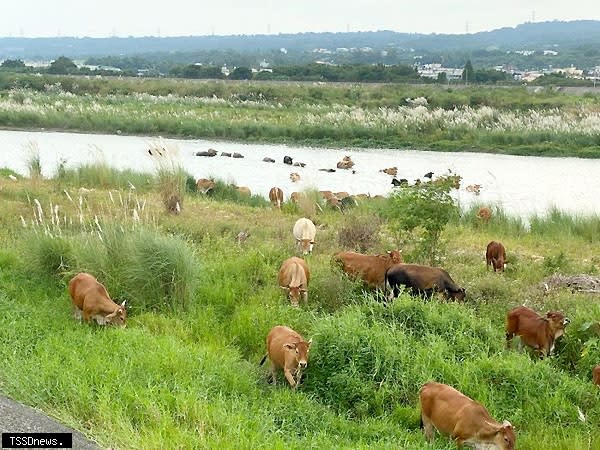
[389, 252]
[309, 342]
[123, 304]
[289, 346]
[285, 288]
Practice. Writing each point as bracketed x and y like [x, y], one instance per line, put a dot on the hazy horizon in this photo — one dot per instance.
[112, 18]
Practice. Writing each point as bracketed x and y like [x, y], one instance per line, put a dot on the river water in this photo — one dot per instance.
[522, 185]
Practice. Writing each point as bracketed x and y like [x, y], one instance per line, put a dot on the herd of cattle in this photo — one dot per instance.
[442, 407]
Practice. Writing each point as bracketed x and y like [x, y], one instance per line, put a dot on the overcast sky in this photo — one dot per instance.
[102, 18]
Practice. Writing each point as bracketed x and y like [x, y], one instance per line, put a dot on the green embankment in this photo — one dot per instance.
[185, 373]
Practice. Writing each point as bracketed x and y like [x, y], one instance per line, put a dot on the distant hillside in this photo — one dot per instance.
[561, 35]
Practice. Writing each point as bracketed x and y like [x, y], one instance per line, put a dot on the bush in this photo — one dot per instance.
[359, 233]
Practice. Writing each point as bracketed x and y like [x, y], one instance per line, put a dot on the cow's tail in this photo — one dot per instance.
[262, 361]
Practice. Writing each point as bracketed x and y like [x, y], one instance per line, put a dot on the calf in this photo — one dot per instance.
[205, 185]
[596, 375]
[304, 231]
[91, 300]
[293, 278]
[369, 268]
[534, 330]
[276, 197]
[465, 420]
[422, 280]
[484, 214]
[288, 350]
[495, 256]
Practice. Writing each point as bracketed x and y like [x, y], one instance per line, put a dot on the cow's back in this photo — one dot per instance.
[370, 268]
[304, 229]
[277, 337]
[294, 272]
[443, 405]
[83, 285]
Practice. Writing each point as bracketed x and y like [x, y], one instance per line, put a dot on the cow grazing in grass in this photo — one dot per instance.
[596, 375]
[484, 214]
[276, 197]
[304, 233]
[465, 420]
[287, 350]
[535, 331]
[369, 268]
[91, 301]
[423, 280]
[495, 256]
[244, 190]
[293, 278]
[205, 185]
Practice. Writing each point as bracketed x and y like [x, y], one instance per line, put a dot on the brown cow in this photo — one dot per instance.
[495, 256]
[294, 176]
[534, 330]
[369, 268]
[345, 163]
[393, 171]
[422, 280]
[296, 196]
[288, 350]
[484, 214]
[596, 374]
[276, 197]
[293, 278]
[91, 301]
[465, 420]
[205, 185]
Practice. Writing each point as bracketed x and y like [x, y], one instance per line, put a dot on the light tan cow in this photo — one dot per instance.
[286, 349]
[369, 268]
[295, 197]
[293, 278]
[205, 185]
[244, 191]
[276, 197]
[393, 171]
[304, 232]
[294, 177]
[91, 301]
[465, 420]
[484, 214]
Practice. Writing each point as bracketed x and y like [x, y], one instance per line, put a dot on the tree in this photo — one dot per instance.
[13, 64]
[62, 65]
[442, 78]
[468, 72]
[241, 73]
[420, 213]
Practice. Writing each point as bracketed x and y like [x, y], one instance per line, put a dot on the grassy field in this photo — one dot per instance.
[185, 373]
[503, 120]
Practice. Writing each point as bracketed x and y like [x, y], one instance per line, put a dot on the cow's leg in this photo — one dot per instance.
[509, 337]
[290, 378]
[77, 313]
[305, 297]
[427, 428]
[272, 374]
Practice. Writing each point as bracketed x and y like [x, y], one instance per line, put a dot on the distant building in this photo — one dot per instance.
[550, 53]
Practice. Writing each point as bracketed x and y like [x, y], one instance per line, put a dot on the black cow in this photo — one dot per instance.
[267, 159]
[422, 280]
[287, 160]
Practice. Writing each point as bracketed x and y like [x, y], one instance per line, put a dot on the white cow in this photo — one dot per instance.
[304, 232]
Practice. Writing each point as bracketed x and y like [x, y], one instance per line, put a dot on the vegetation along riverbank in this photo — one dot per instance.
[202, 297]
[508, 120]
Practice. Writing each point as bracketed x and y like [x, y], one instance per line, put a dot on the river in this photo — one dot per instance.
[521, 185]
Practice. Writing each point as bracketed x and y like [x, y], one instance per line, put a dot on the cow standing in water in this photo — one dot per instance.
[287, 349]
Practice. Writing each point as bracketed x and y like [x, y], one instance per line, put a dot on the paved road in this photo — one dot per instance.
[17, 418]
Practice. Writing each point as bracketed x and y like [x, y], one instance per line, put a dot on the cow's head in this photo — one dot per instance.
[504, 438]
[306, 245]
[294, 293]
[395, 256]
[459, 294]
[118, 316]
[300, 351]
[557, 322]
